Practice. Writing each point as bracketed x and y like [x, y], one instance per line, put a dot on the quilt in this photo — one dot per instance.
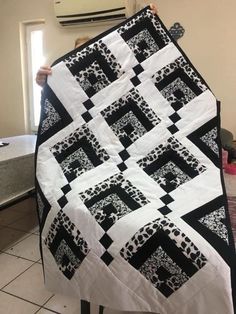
[131, 198]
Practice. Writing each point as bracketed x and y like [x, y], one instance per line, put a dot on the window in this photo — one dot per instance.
[34, 59]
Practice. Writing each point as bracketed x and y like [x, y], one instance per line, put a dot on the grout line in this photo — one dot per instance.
[25, 258]
[15, 229]
[48, 299]
[7, 227]
[21, 298]
[38, 310]
[17, 277]
[18, 219]
[40, 306]
[14, 221]
[17, 242]
[29, 232]
[44, 308]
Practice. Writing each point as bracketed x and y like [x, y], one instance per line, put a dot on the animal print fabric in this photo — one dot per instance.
[131, 200]
[52, 117]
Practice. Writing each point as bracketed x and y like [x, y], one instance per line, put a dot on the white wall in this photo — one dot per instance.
[209, 42]
[58, 41]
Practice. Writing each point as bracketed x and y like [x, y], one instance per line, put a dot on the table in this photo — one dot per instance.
[17, 174]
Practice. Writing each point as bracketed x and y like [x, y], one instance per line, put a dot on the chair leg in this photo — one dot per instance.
[101, 309]
[85, 307]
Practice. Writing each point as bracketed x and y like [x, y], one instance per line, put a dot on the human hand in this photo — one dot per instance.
[42, 74]
[154, 8]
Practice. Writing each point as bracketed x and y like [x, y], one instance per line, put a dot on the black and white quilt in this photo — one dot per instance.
[130, 193]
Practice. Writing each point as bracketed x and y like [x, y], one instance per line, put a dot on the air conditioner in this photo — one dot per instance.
[80, 12]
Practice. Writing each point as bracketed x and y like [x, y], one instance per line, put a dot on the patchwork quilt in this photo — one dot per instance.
[131, 200]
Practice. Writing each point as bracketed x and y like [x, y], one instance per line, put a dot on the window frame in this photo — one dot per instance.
[28, 75]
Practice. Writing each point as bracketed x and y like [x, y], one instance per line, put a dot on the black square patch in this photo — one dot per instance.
[167, 199]
[173, 129]
[66, 189]
[106, 241]
[124, 155]
[87, 116]
[122, 166]
[107, 258]
[175, 117]
[126, 141]
[177, 105]
[88, 104]
[138, 69]
[164, 210]
[62, 201]
[135, 81]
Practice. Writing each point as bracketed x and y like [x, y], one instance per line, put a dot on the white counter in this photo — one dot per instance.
[16, 167]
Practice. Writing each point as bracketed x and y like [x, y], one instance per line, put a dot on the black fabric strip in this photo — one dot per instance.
[115, 189]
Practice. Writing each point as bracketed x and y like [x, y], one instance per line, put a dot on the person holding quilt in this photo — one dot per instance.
[132, 6]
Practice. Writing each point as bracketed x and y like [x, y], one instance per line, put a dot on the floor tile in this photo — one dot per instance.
[26, 206]
[9, 237]
[63, 304]
[28, 223]
[11, 267]
[9, 215]
[28, 248]
[13, 305]
[30, 286]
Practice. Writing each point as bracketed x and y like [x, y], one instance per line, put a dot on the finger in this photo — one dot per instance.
[153, 8]
[45, 67]
[45, 70]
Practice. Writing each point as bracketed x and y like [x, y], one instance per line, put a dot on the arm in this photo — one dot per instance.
[42, 74]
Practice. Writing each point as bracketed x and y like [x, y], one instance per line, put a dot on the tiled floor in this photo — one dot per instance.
[22, 289]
